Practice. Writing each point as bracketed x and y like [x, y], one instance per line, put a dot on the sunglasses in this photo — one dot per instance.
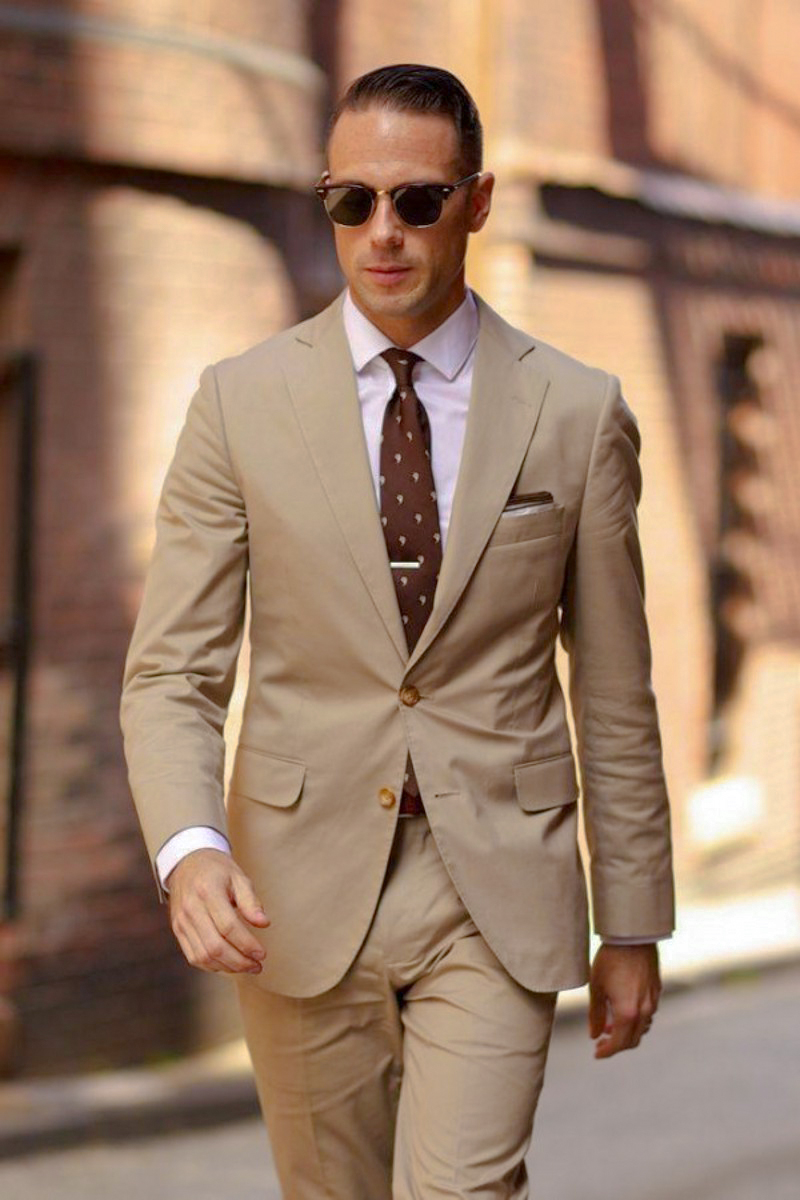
[416, 204]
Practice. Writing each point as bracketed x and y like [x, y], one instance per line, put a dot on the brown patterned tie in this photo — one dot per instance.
[409, 514]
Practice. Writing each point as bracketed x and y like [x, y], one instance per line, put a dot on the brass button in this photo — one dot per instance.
[387, 797]
[409, 696]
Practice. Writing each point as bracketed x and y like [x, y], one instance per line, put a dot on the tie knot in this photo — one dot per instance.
[402, 363]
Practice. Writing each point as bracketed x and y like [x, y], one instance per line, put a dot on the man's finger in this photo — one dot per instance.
[191, 945]
[247, 902]
[229, 924]
[621, 1034]
[217, 953]
[643, 1027]
[598, 1012]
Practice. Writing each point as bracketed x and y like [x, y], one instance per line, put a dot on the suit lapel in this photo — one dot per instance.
[506, 400]
[323, 389]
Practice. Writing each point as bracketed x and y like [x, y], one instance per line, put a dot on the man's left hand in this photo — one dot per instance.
[624, 989]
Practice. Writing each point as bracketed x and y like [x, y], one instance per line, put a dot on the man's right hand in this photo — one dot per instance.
[212, 905]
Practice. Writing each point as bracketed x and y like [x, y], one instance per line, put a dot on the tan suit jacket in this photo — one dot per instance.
[271, 481]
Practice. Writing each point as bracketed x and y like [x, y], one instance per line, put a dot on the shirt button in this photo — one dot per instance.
[387, 797]
[409, 696]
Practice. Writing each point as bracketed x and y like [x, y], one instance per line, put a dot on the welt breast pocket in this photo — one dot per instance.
[547, 521]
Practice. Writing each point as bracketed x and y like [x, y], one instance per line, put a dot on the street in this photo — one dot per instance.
[707, 1109]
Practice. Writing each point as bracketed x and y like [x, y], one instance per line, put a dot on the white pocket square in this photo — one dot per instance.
[523, 505]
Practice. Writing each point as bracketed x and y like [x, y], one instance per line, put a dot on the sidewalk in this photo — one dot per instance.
[203, 1090]
[754, 933]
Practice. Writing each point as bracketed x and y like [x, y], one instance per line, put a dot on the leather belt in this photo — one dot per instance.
[411, 806]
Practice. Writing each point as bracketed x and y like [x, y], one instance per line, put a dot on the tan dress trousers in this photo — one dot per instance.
[417, 1075]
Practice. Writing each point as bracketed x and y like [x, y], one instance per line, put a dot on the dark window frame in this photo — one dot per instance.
[18, 374]
[735, 387]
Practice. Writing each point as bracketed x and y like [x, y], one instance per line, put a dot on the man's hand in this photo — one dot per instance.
[211, 904]
[624, 989]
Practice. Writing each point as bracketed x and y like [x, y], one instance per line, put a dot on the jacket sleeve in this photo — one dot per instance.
[181, 665]
[604, 631]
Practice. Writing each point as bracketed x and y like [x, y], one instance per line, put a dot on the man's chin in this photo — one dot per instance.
[381, 301]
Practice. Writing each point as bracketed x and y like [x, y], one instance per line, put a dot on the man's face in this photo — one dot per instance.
[405, 280]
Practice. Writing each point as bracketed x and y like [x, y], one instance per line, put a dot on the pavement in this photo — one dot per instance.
[715, 942]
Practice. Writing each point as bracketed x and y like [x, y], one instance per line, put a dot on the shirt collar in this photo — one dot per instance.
[447, 348]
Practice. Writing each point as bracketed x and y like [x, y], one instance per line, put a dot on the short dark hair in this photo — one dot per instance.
[411, 87]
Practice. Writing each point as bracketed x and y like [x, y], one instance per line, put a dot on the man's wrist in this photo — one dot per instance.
[186, 841]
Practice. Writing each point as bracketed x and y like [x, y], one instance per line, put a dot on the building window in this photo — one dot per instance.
[740, 472]
[17, 380]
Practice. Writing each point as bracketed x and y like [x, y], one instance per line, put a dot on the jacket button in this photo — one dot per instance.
[387, 797]
[409, 696]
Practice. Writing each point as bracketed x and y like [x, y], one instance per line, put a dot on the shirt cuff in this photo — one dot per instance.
[636, 941]
[196, 837]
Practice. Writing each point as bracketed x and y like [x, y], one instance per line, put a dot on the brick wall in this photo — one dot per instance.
[155, 104]
[145, 243]
[724, 91]
[129, 291]
[702, 86]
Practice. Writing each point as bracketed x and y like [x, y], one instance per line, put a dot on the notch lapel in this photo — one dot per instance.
[505, 403]
[321, 381]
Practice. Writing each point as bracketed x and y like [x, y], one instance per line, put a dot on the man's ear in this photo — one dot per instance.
[481, 201]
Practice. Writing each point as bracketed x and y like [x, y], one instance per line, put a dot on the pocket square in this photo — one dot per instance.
[527, 502]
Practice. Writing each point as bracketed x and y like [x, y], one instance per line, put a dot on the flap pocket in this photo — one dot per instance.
[542, 522]
[546, 783]
[267, 779]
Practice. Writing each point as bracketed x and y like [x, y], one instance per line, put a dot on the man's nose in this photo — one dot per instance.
[386, 228]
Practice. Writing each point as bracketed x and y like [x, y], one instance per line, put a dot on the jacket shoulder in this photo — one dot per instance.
[581, 397]
[565, 370]
[586, 400]
[584, 383]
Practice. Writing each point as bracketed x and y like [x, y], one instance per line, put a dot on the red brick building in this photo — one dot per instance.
[155, 159]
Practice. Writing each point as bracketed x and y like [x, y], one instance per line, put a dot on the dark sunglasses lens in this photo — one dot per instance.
[348, 205]
[418, 205]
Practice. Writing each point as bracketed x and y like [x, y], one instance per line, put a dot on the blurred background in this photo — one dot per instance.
[156, 159]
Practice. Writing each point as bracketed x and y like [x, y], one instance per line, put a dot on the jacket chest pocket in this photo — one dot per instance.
[523, 564]
[548, 521]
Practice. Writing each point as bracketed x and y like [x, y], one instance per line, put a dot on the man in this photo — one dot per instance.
[423, 499]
